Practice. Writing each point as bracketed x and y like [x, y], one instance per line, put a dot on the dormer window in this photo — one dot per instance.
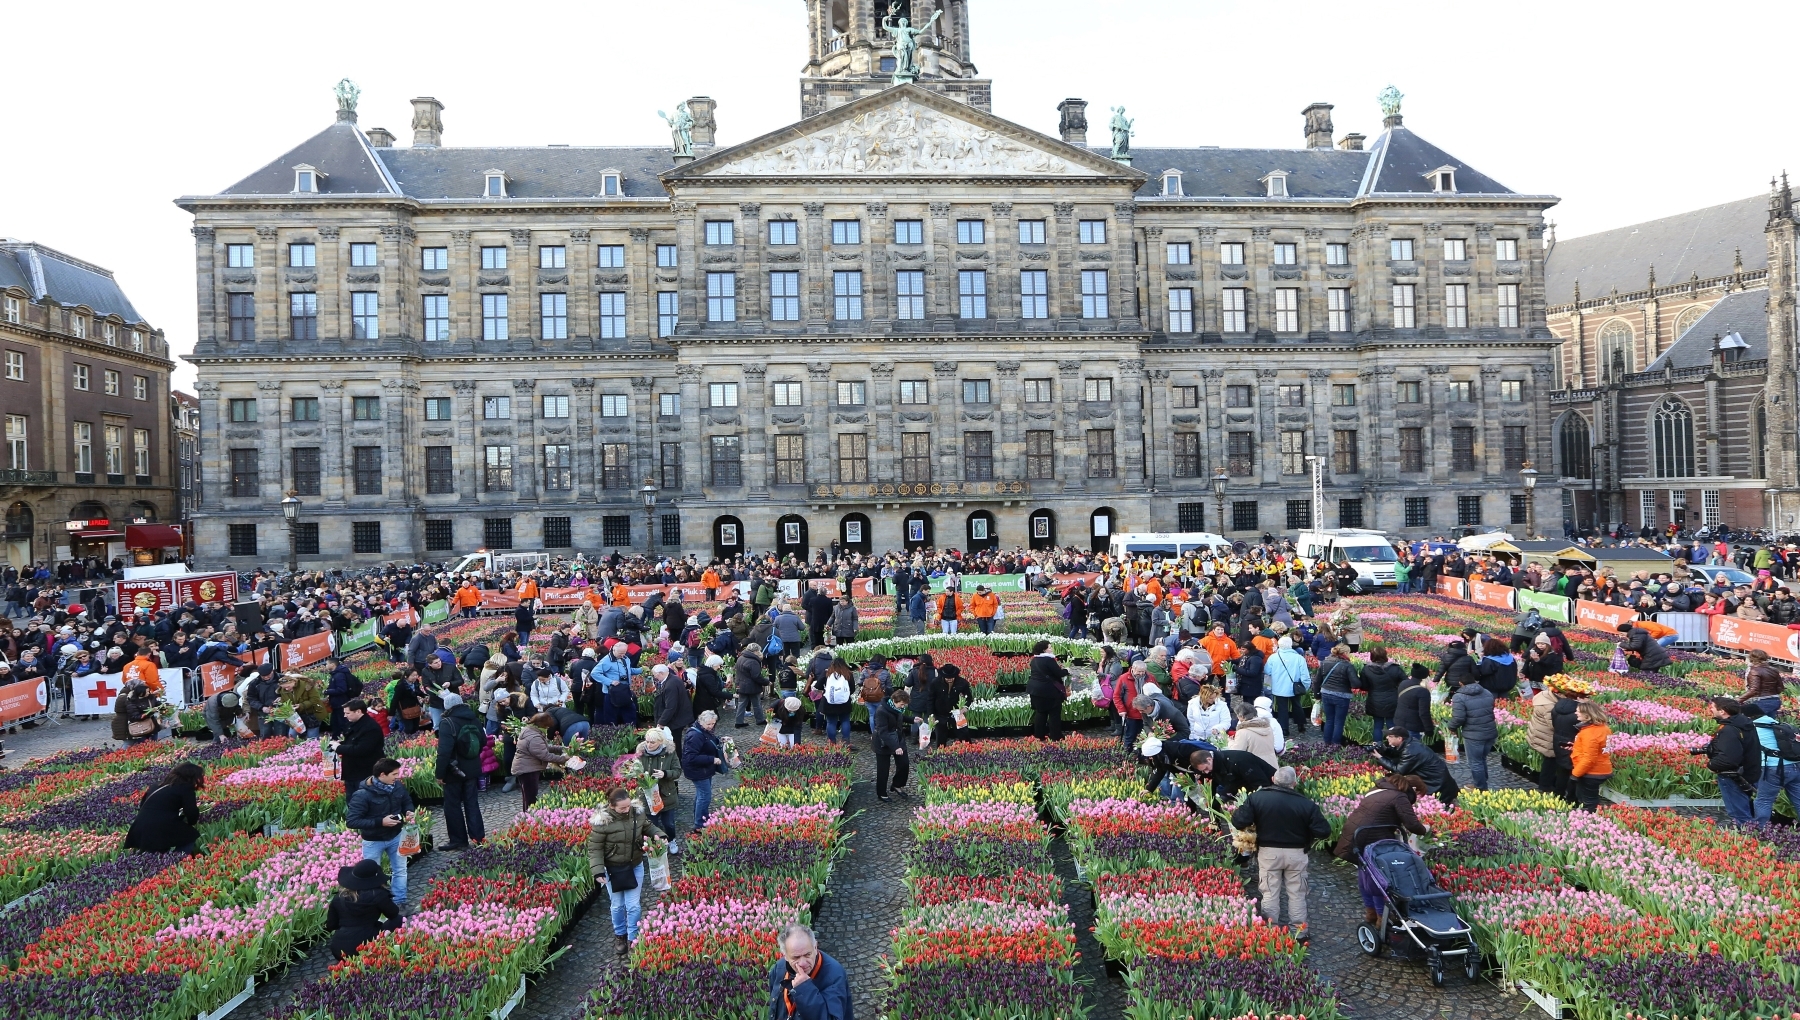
[307, 179]
[1171, 183]
[496, 184]
[612, 184]
[1443, 179]
[1276, 183]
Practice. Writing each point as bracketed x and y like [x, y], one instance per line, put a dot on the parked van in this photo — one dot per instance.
[1167, 545]
[1370, 552]
[500, 562]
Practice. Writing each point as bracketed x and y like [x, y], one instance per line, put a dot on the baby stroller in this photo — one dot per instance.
[1417, 918]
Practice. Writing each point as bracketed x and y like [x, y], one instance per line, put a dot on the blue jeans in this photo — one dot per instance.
[702, 802]
[437, 717]
[1737, 801]
[1337, 712]
[836, 727]
[1667, 642]
[1378, 727]
[372, 851]
[986, 623]
[1772, 783]
[1476, 752]
[1771, 707]
[576, 731]
[626, 908]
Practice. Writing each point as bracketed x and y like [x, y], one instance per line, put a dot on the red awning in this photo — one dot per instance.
[90, 536]
[152, 536]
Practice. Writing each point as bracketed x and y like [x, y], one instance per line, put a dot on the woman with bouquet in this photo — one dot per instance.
[702, 758]
[661, 762]
[615, 849]
[533, 755]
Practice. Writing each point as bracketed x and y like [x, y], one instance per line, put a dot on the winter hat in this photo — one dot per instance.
[791, 704]
[1151, 747]
[450, 700]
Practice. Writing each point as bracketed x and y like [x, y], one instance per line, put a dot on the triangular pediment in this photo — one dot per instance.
[905, 131]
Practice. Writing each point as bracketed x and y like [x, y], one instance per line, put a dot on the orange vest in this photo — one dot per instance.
[142, 668]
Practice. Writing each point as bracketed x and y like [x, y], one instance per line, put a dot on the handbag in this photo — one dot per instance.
[411, 712]
[141, 728]
[621, 877]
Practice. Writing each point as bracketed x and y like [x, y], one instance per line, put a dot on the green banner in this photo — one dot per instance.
[436, 612]
[360, 636]
[998, 582]
[1550, 607]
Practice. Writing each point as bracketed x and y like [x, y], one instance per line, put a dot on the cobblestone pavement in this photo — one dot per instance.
[56, 735]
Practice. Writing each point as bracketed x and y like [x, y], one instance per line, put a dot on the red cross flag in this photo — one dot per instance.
[97, 693]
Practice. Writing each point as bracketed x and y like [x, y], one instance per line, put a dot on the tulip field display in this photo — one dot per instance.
[484, 924]
[763, 859]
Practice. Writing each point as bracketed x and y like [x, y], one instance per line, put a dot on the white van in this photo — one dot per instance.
[1370, 552]
[501, 562]
[1167, 545]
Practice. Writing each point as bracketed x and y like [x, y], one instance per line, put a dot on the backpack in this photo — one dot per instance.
[774, 646]
[872, 692]
[469, 740]
[1787, 741]
[837, 689]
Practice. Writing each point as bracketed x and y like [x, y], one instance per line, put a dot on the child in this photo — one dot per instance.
[790, 713]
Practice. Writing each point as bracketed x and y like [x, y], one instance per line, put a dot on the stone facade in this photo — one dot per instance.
[1706, 351]
[901, 309]
[84, 394]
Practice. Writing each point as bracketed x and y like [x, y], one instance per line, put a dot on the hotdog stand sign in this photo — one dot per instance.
[156, 594]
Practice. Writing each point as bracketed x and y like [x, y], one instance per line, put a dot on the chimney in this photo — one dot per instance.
[428, 123]
[1318, 125]
[1074, 121]
[1352, 143]
[706, 130]
[381, 138]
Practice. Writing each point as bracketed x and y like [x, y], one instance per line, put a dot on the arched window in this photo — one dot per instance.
[1575, 447]
[89, 510]
[1615, 344]
[20, 520]
[1672, 429]
[1685, 321]
[143, 512]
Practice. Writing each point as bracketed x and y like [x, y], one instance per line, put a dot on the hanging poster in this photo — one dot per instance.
[790, 533]
[915, 530]
[852, 532]
[728, 534]
[978, 529]
[1040, 527]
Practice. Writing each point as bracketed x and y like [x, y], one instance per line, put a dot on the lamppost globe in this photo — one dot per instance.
[1528, 475]
[290, 507]
[649, 493]
[1219, 481]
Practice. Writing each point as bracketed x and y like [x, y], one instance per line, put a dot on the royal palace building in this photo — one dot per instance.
[900, 321]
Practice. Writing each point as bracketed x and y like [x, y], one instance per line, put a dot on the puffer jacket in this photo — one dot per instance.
[1412, 709]
[1563, 724]
[1456, 666]
[1472, 713]
[373, 802]
[1256, 736]
[535, 753]
[617, 841]
[1382, 680]
[668, 761]
[1335, 677]
[1540, 731]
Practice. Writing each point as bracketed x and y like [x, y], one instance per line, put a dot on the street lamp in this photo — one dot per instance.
[1219, 482]
[290, 509]
[649, 494]
[1528, 475]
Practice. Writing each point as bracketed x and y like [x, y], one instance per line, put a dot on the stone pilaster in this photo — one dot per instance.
[754, 449]
[1123, 277]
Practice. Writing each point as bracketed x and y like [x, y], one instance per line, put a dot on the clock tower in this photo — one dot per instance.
[851, 51]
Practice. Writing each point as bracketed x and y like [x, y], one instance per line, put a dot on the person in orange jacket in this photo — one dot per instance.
[468, 599]
[710, 581]
[950, 610]
[143, 668]
[1590, 765]
[984, 605]
[528, 588]
[1220, 646]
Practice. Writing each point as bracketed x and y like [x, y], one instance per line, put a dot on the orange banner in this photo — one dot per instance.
[1487, 593]
[216, 677]
[1747, 635]
[408, 617]
[1601, 616]
[499, 599]
[1454, 587]
[23, 700]
[302, 652]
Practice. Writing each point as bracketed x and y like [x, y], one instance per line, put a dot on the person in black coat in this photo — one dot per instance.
[949, 691]
[1171, 757]
[1231, 772]
[1048, 688]
[1455, 666]
[1248, 671]
[524, 622]
[1405, 755]
[1412, 706]
[1542, 661]
[360, 747]
[1382, 680]
[339, 691]
[709, 686]
[167, 815]
[363, 909]
[460, 772]
[887, 723]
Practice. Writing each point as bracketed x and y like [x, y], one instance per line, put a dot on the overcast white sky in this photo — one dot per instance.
[1627, 111]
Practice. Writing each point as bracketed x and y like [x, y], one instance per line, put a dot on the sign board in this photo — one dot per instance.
[1747, 635]
[23, 700]
[216, 676]
[437, 612]
[156, 594]
[1454, 587]
[1550, 607]
[302, 652]
[997, 582]
[1600, 616]
[1499, 596]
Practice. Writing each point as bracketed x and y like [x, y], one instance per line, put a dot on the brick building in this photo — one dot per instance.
[85, 397]
[902, 320]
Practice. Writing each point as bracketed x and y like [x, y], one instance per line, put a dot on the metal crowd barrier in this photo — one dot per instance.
[1692, 630]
